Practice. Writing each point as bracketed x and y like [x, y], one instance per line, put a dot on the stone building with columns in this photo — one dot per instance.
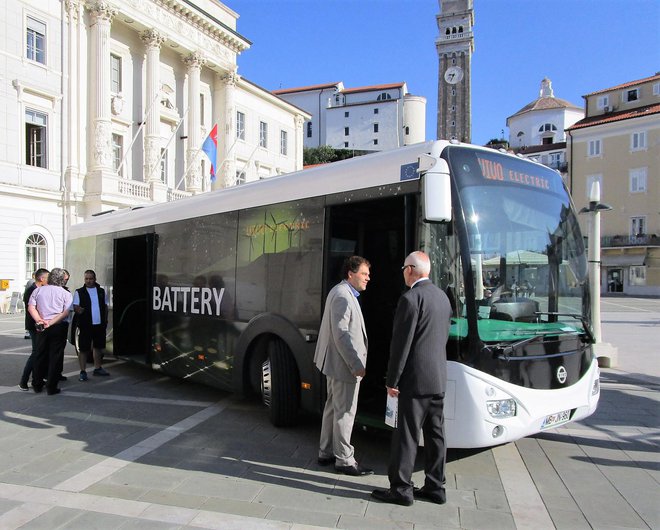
[105, 104]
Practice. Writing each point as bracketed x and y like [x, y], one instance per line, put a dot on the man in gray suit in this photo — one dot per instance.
[341, 355]
[417, 374]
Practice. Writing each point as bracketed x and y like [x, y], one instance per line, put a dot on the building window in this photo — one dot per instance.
[547, 127]
[375, 127]
[240, 177]
[240, 125]
[555, 160]
[594, 148]
[345, 144]
[309, 129]
[35, 138]
[36, 40]
[284, 143]
[602, 102]
[637, 226]
[383, 96]
[656, 89]
[201, 110]
[631, 95]
[36, 253]
[163, 164]
[375, 111]
[637, 275]
[346, 114]
[117, 152]
[407, 130]
[638, 141]
[115, 74]
[263, 134]
[375, 141]
[346, 131]
[453, 91]
[637, 179]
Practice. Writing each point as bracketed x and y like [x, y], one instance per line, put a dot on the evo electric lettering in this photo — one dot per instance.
[495, 171]
[193, 300]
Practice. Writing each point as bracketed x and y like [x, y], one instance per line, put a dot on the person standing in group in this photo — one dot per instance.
[341, 355]
[90, 321]
[417, 374]
[40, 278]
[49, 306]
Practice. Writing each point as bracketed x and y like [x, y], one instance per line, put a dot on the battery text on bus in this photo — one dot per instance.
[495, 171]
[193, 300]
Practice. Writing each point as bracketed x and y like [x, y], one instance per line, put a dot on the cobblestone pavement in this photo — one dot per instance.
[141, 450]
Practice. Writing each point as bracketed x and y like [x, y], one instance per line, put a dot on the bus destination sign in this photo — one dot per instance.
[529, 175]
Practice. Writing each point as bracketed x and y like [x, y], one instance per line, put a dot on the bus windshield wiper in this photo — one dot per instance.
[585, 326]
[502, 351]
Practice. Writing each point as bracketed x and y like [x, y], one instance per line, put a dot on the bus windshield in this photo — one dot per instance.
[525, 255]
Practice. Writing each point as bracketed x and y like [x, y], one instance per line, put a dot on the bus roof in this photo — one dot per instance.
[362, 172]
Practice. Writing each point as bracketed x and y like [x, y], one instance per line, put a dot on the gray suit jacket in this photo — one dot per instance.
[418, 351]
[341, 349]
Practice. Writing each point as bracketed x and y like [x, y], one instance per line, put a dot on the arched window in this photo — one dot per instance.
[453, 30]
[547, 127]
[383, 96]
[460, 29]
[36, 253]
[448, 32]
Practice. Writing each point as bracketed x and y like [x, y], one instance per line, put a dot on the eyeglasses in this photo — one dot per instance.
[405, 266]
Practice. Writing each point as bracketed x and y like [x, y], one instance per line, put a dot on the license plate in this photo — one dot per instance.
[556, 419]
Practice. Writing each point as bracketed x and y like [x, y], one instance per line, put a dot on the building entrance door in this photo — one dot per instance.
[614, 280]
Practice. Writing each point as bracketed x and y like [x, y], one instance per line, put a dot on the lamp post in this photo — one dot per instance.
[605, 353]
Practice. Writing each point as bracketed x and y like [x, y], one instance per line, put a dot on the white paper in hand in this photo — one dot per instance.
[391, 411]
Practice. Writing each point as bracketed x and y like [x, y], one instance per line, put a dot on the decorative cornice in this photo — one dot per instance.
[211, 27]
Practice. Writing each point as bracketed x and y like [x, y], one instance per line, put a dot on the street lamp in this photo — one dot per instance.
[605, 353]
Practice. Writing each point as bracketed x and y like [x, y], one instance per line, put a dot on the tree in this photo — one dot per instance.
[325, 154]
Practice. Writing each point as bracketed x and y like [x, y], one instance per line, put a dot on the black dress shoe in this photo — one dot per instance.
[392, 498]
[63, 378]
[437, 498]
[356, 470]
[37, 388]
[326, 461]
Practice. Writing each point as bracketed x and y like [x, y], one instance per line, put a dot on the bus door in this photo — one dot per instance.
[134, 259]
[381, 231]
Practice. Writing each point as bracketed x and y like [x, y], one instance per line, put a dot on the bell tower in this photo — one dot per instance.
[455, 44]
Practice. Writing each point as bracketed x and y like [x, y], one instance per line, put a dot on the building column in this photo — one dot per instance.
[152, 40]
[101, 152]
[194, 63]
[299, 141]
[226, 157]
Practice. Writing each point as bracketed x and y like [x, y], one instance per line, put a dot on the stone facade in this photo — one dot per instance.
[105, 104]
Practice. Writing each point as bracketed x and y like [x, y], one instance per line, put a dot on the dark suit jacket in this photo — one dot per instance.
[418, 351]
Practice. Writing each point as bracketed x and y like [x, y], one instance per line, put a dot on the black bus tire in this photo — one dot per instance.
[280, 385]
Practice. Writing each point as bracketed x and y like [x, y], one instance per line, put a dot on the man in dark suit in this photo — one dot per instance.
[417, 375]
[341, 355]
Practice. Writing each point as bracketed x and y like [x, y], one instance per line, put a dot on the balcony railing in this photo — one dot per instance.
[630, 241]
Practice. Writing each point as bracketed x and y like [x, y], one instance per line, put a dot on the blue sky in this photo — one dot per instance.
[581, 45]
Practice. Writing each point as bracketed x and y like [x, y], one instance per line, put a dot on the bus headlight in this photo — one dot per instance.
[596, 388]
[502, 408]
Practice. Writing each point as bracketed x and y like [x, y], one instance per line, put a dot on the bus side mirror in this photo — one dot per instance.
[436, 189]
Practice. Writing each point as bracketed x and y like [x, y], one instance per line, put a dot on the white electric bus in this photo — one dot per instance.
[227, 288]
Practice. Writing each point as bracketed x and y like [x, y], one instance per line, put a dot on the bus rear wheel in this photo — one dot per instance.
[280, 384]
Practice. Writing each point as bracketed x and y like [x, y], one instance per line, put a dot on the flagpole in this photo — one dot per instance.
[153, 170]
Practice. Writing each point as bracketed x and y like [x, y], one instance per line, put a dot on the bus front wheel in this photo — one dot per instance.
[280, 384]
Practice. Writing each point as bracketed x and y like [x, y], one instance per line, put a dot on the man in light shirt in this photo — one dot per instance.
[49, 307]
